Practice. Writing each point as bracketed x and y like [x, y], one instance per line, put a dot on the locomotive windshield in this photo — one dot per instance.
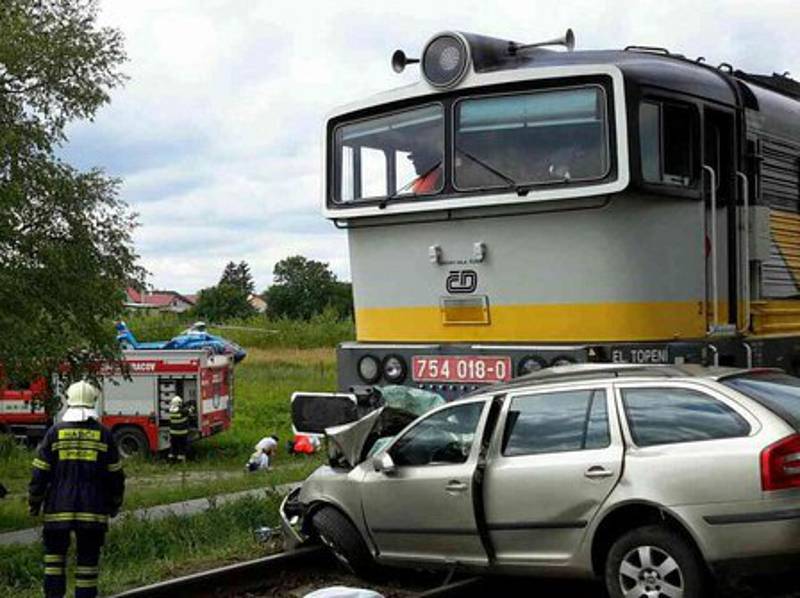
[499, 141]
[543, 137]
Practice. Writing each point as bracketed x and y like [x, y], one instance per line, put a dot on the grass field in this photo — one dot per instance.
[143, 552]
[263, 384]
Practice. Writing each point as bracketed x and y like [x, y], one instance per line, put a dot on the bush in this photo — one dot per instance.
[157, 327]
[15, 460]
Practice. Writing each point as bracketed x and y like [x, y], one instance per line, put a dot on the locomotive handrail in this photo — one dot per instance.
[749, 351]
[715, 351]
[714, 281]
[744, 268]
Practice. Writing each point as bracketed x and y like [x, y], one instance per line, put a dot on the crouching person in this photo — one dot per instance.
[266, 448]
[178, 429]
[78, 482]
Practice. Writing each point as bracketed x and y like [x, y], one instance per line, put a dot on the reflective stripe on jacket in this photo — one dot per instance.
[178, 423]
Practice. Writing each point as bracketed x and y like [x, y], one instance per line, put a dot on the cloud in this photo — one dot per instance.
[218, 133]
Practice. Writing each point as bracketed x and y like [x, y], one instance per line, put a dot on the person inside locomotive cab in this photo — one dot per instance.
[427, 163]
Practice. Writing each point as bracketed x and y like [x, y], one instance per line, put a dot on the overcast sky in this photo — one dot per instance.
[217, 135]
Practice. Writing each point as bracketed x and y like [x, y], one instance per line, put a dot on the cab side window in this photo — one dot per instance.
[445, 437]
[669, 415]
[668, 143]
[556, 422]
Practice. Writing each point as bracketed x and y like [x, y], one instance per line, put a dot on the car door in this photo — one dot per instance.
[688, 443]
[556, 457]
[423, 509]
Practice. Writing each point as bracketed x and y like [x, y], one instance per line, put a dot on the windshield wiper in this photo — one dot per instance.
[400, 193]
[510, 181]
[521, 190]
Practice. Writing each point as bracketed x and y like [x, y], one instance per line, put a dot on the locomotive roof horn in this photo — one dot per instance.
[567, 40]
[400, 60]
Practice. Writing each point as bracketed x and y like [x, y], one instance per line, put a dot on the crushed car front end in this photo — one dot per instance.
[369, 426]
[327, 486]
[292, 513]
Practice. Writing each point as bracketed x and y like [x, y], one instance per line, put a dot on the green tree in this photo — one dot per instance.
[239, 276]
[304, 288]
[229, 299]
[65, 238]
[222, 302]
[341, 300]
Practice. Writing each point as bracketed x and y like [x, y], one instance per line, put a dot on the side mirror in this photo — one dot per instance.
[384, 464]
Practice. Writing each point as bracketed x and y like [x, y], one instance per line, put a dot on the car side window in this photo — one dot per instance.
[670, 415]
[444, 437]
[556, 422]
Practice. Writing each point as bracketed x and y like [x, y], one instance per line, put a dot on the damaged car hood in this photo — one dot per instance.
[349, 439]
[350, 444]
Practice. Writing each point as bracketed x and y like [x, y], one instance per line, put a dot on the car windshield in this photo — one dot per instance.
[396, 155]
[777, 391]
[533, 138]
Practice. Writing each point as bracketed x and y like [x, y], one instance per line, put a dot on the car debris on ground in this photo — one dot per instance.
[343, 592]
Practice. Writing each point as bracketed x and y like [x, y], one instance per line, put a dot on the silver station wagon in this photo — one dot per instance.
[652, 478]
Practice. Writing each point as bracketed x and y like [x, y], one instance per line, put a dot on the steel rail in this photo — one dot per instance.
[255, 574]
[236, 577]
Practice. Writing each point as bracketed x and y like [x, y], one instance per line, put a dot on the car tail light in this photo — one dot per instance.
[780, 464]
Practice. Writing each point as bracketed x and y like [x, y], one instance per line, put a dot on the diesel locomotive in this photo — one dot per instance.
[523, 206]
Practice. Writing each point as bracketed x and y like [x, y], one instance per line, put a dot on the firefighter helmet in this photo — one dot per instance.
[176, 403]
[82, 394]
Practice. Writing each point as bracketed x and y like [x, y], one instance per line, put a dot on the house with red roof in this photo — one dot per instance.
[158, 301]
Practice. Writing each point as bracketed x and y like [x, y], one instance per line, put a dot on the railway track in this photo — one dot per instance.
[293, 574]
[297, 573]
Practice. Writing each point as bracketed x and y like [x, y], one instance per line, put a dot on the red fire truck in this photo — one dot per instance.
[135, 407]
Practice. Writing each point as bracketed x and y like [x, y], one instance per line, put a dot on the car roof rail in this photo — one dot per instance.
[599, 371]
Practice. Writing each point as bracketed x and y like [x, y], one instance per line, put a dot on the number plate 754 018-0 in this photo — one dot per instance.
[469, 369]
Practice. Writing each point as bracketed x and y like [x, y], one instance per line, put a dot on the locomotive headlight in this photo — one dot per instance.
[369, 369]
[445, 60]
[530, 364]
[394, 369]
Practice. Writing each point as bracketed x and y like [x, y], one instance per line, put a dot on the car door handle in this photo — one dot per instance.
[597, 472]
[455, 487]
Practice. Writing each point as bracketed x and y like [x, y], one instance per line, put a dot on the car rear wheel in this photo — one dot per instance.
[131, 441]
[344, 541]
[654, 562]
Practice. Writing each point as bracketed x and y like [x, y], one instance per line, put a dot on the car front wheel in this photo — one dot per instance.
[654, 562]
[343, 540]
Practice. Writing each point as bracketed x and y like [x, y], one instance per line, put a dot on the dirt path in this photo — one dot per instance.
[199, 475]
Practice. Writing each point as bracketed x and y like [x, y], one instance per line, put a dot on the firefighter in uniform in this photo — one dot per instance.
[178, 429]
[78, 479]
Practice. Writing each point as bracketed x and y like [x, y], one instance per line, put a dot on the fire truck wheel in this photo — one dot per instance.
[131, 441]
